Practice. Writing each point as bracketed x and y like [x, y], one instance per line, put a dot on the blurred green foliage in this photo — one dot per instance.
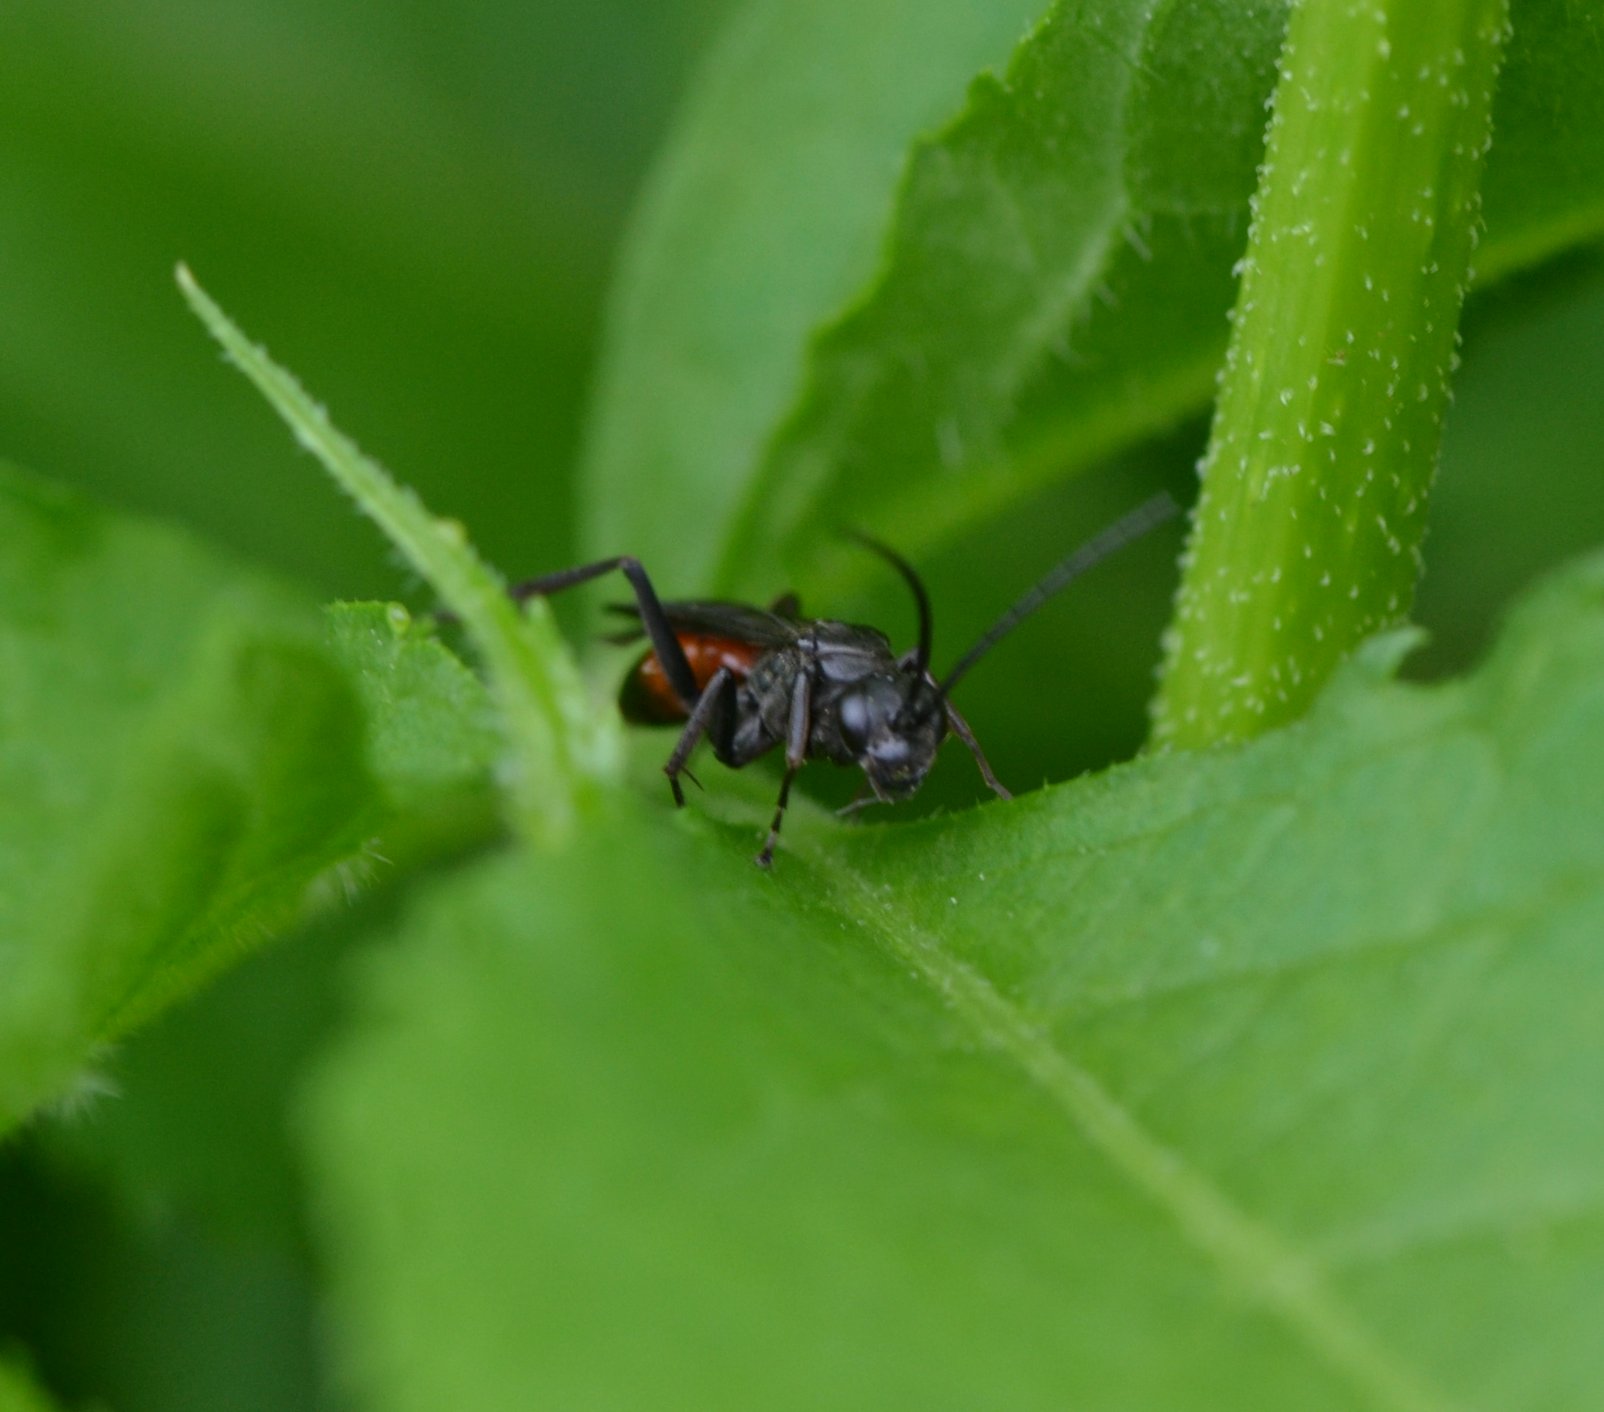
[417, 204]
[418, 208]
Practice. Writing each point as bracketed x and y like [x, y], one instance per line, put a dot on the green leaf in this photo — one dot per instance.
[1318, 474]
[1080, 209]
[1544, 186]
[763, 216]
[432, 727]
[1262, 1077]
[179, 759]
[559, 746]
[1053, 285]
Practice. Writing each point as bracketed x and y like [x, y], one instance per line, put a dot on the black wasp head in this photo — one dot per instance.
[893, 725]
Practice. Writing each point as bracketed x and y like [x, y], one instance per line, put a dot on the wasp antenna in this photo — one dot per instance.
[914, 582]
[1123, 531]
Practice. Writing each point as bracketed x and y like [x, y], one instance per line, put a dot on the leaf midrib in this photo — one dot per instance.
[1289, 1284]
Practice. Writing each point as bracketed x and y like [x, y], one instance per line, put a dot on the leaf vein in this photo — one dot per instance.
[1288, 1283]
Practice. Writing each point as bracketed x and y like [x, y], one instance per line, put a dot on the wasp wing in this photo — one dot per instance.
[739, 622]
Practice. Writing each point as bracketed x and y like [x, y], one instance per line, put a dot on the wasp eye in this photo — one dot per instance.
[853, 714]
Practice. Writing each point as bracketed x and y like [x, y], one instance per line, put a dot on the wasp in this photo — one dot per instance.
[749, 679]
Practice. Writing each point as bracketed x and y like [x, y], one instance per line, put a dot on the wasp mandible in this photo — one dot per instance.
[748, 679]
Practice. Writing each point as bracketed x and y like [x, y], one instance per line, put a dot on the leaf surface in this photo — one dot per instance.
[432, 727]
[557, 747]
[1260, 1077]
[763, 215]
[179, 759]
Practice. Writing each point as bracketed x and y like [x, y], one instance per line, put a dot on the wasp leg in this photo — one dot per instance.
[960, 728]
[787, 605]
[860, 801]
[658, 630]
[796, 752]
[696, 726]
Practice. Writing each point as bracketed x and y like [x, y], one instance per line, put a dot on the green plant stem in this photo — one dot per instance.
[1315, 483]
[560, 745]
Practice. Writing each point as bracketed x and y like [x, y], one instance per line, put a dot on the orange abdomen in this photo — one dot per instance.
[647, 699]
